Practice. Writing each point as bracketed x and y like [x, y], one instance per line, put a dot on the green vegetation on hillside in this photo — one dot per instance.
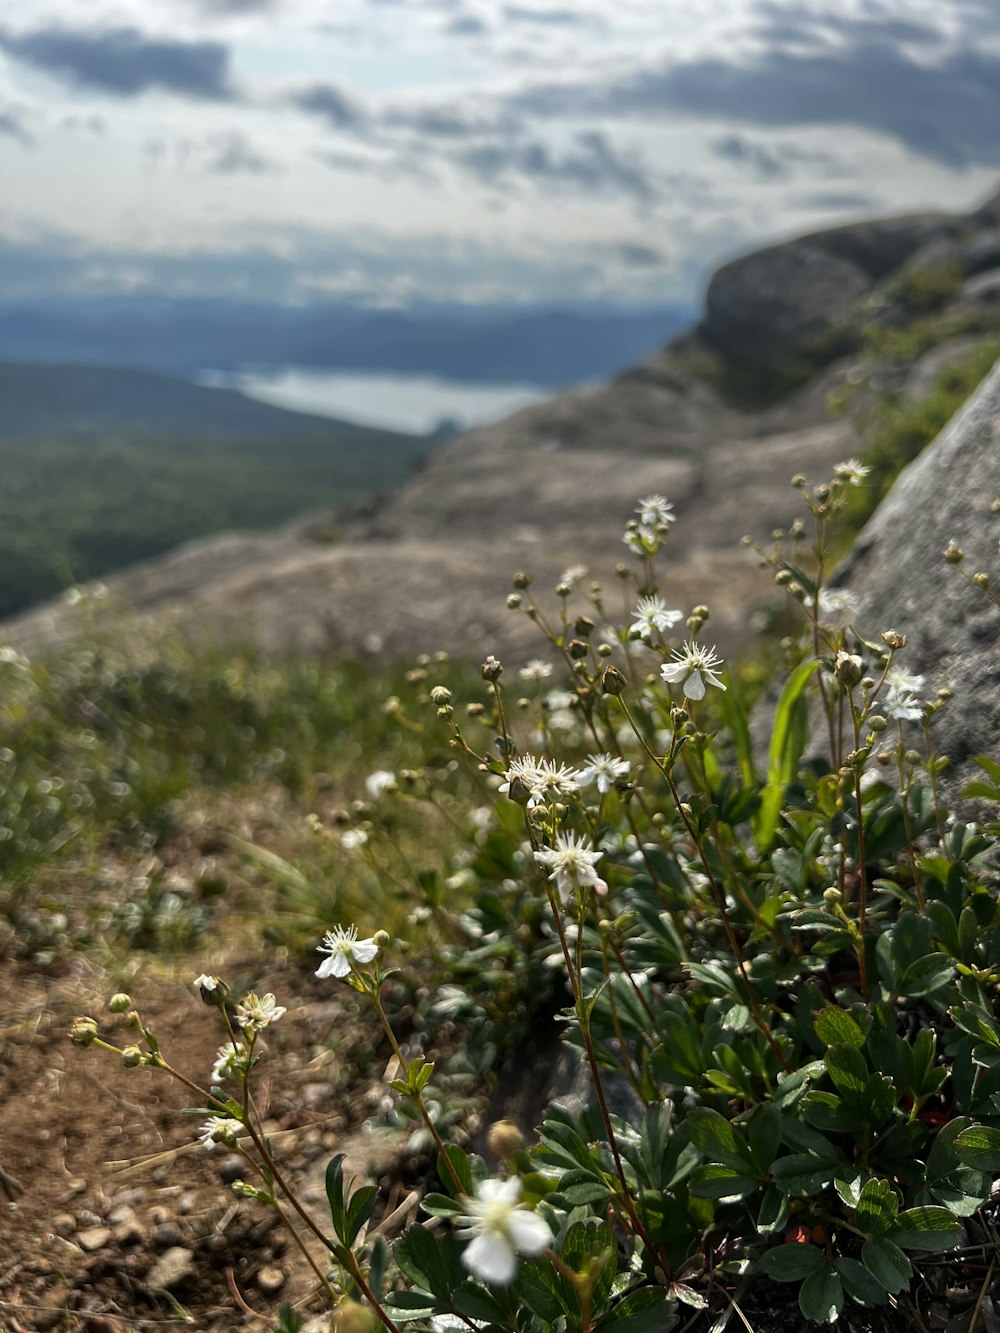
[105, 468]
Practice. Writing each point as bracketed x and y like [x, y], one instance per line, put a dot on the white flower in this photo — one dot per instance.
[572, 861]
[540, 778]
[693, 667]
[558, 701]
[220, 1129]
[853, 471]
[652, 615]
[230, 1062]
[836, 602]
[654, 509]
[500, 1229]
[255, 1012]
[536, 669]
[379, 782]
[604, 769]
[574, 574]
[345, 949]
[902, 705]
[906, 682]
[352, 838]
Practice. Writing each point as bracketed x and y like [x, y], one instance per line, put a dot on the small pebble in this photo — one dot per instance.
[270, 1281]
[171, 1269]
[93, 1238]
[232, 1168]
[63, 1224]
[167, 1235]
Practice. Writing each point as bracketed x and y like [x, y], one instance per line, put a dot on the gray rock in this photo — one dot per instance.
[171, 1269]
[901, 580]
[93, 1238]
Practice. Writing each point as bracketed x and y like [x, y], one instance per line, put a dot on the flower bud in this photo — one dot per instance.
[953, 553]
[678, 716]
[981, 580]
[381, 939]
[848, 668]
[213, 990]
[440, 695]
[352, 1317]
[613, 681]
[521, 580]
[799, 481]
[832, 897]
[491, 669]
[604, 650]
[120, 1003]
[475, 710]
[877, 722]
[564, 589]
[504, 1139]
[893, 639]
[622, 570]
[84, 1031]
[584, 626]
[132, 1057]
[577, 649]
[514, 600]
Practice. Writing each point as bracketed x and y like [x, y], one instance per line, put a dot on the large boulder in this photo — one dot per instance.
[783, 309]
[898, 572]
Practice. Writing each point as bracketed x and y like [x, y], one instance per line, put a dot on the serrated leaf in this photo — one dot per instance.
[887, 1263]
[802, 1174]
[773, 1212]
[926, 975]
[925, 1229]
[848, 1068]
[877, 1207]
[792, 1263]
[821, 1296]
[642, 1311]
[979, 1147]
[836, 1027]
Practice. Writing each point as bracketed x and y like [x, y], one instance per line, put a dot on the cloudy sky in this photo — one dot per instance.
[471, 150]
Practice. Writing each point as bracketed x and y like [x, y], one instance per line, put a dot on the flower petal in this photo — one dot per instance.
[334, 966]
[364, 951]
[694, 686]
[528, 1231]
[491, 1258]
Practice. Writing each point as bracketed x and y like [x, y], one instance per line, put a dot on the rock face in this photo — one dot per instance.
[901, 579]
[772, 310]
[429, 567]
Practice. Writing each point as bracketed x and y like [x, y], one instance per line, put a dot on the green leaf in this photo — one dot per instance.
[773, 1213]
[359, 1210]
[979, 1147]
[642, 1311]
[590, 1249]
[859, 1283]
[836, 1027]
[764, 1135]
[544, 1292]
[793, 1262]
[887, 1263]
[440, 1205]
[821, 1296]
[926, 975]
[432, 1263]
[802, 1174]
[926, 1229]
[335, 1194]
[718, 1181]
[460, 1167]
[718, 1138]
[848, 1068]
[788, 741]
[877, 1207]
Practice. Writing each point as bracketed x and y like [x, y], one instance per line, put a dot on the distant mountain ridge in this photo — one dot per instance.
[547, 347]
[38, 399]
[894, 315]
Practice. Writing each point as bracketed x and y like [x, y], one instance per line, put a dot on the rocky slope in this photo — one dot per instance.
[718, 421]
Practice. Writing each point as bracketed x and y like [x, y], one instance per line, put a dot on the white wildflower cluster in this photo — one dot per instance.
[693, 667]
[834, 602]
[344, 950]
[572, 861]
[380, 782]
[499, 1228]
[220, 1129]
[852, 471]
[652, 616]
[535, 670]
[232, 1061]
[558, 705]
[532, 781]
[645, 535]
[604, 770]
[256, 1012]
